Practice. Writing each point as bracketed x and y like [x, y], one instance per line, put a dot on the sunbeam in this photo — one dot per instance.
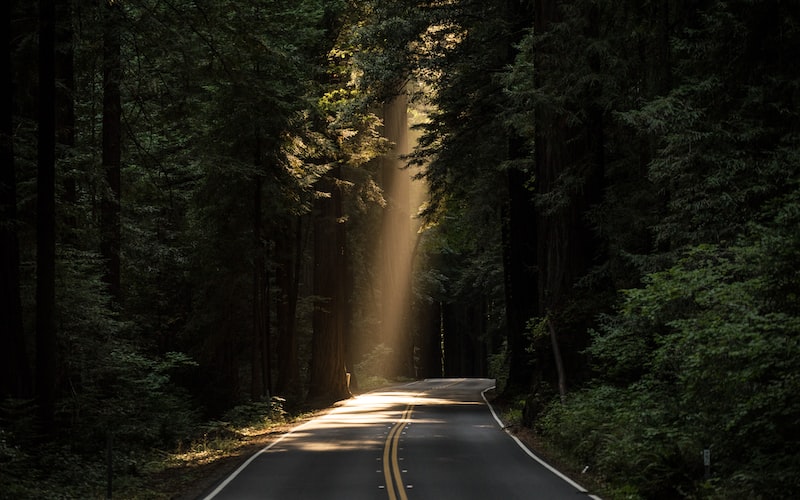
[392, 262]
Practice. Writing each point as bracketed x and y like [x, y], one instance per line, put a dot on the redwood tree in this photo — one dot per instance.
[112, 147]
[288, 254]
[328, 370]
[15, 381]
[45, 221]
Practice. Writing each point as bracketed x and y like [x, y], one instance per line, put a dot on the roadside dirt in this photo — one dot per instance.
[534, 442]
[190, 480]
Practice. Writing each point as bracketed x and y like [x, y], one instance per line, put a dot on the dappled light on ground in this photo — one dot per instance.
[379, 409]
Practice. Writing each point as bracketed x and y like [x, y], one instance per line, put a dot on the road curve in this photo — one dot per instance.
[431, 439]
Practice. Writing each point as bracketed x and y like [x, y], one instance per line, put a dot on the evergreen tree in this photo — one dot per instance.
[16, 381]
[110, 227]
[473, 157]
[328, 365]
[697, 140]
[45, 222]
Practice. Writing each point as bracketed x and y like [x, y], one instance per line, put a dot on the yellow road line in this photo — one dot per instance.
[391, 465]
[387, 471]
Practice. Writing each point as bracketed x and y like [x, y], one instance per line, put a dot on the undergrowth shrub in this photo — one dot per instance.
[257, 413]
[375, 362]
[626, 438]
[718, 368]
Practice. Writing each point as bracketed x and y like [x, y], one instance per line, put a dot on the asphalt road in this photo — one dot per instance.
[433, 439]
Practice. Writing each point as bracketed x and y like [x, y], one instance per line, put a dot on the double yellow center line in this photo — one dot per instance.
[391, 465]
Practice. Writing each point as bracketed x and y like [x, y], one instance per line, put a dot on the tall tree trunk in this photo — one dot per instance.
[65, 113]
[520, 271]
[518, 229]
[429, 325]
[562, 376]
[288, 252]
[549, 161]
[328, 363]
[266, 337]
[256, 383]
[16, 376]
[45, 221]
[260, 379]
[566, 243]
[112, 150]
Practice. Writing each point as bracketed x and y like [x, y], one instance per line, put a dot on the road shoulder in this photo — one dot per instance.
[537, 448]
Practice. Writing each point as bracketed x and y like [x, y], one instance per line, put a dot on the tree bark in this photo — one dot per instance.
[518, 229]
[45, 222]
[289, 255]
[562, 376]
[566, 243]
[16, 376]
[520, 269]
[258, 383]
[328, 364]
[112, 150]
[65, 113]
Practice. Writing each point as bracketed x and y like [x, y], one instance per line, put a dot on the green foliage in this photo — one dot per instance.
[498, 367]
[115, 384]
[720, 127]
[375, 362]
[622, 435]
[705, 355]
[257, 413]
[698, 220]
[380, 38]
[691, 189]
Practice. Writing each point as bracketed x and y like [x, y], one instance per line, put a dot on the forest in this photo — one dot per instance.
[218, 208]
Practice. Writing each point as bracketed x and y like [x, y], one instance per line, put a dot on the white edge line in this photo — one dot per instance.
[235, 473]
[529, 452]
